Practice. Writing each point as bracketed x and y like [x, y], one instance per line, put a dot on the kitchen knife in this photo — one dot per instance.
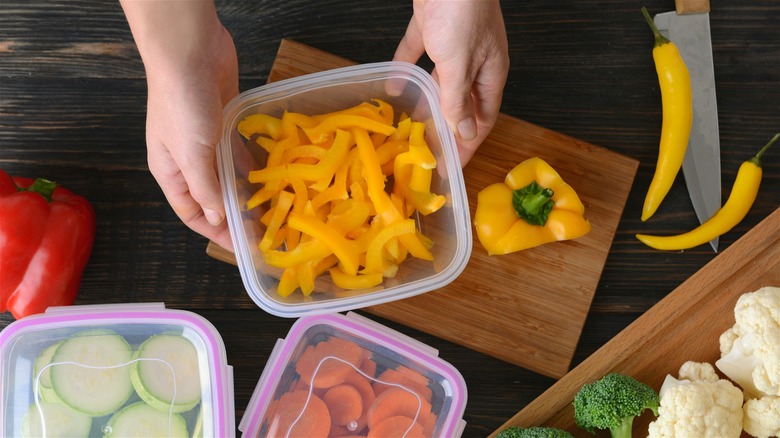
[689, 29]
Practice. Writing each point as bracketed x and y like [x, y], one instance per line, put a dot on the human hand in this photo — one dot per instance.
[192, 72]
[466, 40]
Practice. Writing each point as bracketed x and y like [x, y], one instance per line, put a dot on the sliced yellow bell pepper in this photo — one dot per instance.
[325, 168]
[359, 281]
[374, 254]
[304, 252]
[385, 209]
[260, 124]
[338, 122]
[330, 210]
[280, 211]
[338, 244]
[533, 206]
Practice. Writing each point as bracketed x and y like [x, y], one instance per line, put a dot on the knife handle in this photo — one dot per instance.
[691, 6]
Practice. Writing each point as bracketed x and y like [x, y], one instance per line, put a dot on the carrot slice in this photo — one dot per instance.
[397, 401]
[396, 426]
[406, 377]
[341, 432]
[368, 366]
[363, 386]
[344, 403]
[328, 363]
[300, 414]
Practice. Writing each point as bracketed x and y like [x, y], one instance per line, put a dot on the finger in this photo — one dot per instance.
[176, 191]
[487, 93]
[411, 46]
[199, 172]
[457, 105]
[409, 49]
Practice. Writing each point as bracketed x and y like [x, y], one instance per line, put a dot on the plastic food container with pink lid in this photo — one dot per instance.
[346, 375]
[114, 370]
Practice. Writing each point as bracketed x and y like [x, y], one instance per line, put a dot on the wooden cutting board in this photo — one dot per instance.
[685, 325]
[527, 308]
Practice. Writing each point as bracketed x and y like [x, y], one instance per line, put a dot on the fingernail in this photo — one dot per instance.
[214, 217]
[467, 129]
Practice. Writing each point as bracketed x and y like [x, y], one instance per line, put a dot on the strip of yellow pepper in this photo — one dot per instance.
[676, 100]
[531, 207]
[742, 196]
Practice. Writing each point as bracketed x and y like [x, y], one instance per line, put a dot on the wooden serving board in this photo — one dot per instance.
[683, 326]
[527, 308]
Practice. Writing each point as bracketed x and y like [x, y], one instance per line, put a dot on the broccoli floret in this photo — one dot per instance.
[612, 403]
[533, 432]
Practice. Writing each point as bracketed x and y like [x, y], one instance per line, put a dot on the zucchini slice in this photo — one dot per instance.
[58, 421]
[166, 374]
[141, 420]
[90, 372]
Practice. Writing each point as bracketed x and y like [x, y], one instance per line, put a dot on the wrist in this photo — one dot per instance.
[174, 36]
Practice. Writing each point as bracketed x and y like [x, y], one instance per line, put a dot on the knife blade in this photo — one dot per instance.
[688, 27]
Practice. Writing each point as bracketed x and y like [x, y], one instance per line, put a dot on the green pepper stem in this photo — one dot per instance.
[757, 159]
[42, 186]
[659, 39]
[533, 203]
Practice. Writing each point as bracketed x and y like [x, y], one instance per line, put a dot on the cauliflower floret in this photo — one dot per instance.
[750, 350]
[700, 404]
[762, 417]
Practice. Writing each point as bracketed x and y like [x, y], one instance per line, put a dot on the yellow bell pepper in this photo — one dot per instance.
[533, 206]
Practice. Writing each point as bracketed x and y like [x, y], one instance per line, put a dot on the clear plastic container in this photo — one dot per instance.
[396, 383]
[410, 90]
[97, 370]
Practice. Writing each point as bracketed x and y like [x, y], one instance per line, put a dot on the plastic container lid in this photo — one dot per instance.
[397, 381]
[99, 368]
[409, 90]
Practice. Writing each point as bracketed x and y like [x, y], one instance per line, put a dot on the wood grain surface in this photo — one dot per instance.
[73, 109]
[516, 307]
[684, 326]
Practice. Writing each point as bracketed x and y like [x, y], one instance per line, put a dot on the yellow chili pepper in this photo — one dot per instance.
[531, 207]
[676, 100]
[742, 196]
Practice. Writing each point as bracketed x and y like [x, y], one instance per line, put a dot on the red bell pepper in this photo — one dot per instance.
[46, 237]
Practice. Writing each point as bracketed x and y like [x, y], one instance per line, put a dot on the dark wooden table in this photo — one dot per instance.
[72, 109]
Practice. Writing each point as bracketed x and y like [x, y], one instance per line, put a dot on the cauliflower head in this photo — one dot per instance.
[750, 350]
[698, 403]
[762, 417]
